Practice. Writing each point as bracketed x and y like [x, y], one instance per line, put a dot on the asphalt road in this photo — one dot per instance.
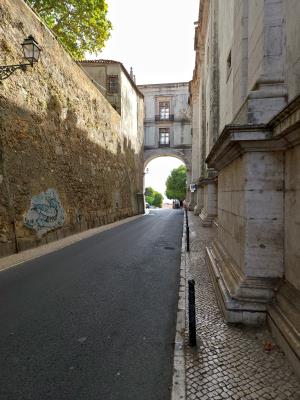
[95, 320]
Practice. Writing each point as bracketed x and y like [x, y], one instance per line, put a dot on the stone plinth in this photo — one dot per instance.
[209, 209]
[246, 258]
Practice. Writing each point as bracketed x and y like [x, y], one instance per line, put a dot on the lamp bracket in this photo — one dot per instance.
[7, 70]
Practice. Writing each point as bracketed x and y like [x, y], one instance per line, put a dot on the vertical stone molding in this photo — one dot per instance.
[210, 195]
[267, 89]
[199, 200]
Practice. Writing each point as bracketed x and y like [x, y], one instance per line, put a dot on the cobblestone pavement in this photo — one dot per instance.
[230, 361]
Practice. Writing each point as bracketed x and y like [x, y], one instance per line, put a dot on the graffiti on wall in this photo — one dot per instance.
[45, 212]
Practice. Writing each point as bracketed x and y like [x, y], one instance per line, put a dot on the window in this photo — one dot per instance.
[229, 66]
[164, 110]
[112, 83]
[164, 137]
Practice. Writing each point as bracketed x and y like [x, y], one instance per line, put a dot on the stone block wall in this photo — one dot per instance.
[231, 211]
[292, 216]
[264, 198]
[65, 163]
[291, 9]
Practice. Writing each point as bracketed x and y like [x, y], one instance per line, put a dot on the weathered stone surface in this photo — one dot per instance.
[247, 55]
[58, 132]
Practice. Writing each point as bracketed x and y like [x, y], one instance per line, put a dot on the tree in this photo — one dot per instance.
[81, 25]
[153, 197]
[176, 184]
[149, 194]
[158, 199]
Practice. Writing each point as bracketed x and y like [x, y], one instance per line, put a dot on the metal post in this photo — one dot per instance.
[187, 238]
[192, 313]
[186, 217]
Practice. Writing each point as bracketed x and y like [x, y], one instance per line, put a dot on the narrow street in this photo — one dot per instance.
[95, 320]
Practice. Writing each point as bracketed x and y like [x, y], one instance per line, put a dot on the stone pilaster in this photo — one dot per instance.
[267, 91]
[210, 195]
[246, 258]
[199, 200]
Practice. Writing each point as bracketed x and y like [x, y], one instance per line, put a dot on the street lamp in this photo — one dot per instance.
[31, 52]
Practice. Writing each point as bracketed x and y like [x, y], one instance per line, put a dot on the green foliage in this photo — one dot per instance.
[81, 25]
[149, 194]
[158, 199]
[176, 184]
[153, 197]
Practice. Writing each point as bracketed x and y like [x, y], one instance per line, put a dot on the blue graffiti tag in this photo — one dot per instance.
[45, 212]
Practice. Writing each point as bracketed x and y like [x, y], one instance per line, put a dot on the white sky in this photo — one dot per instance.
[159, 169]
[155, 37]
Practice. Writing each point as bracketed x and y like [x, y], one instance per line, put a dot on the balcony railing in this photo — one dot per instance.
[162, 118]
[163, 144]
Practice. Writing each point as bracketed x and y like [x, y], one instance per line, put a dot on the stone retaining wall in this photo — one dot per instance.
[65, 163]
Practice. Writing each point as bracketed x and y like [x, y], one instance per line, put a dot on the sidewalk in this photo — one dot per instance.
[229, 361]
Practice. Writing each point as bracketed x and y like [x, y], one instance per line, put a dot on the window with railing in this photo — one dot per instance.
[164, 137]
[164, 110]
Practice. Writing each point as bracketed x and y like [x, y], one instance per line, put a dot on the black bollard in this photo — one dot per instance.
[187, 238]
[186, 217]
[192, 313]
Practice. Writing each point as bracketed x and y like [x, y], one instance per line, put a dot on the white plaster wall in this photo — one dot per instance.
[98, 73]
[129, 110]
[292, 217]
[149, 106]
[150, 136]
[177, 134]
[180, 105]
[291, 12]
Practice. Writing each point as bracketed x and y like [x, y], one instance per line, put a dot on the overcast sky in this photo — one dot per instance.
[155, 37]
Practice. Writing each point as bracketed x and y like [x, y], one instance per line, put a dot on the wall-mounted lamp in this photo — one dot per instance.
[31, 52]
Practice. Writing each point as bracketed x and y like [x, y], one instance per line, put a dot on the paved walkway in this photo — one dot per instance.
[230, 362]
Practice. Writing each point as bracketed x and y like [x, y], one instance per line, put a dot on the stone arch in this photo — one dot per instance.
[183, 155]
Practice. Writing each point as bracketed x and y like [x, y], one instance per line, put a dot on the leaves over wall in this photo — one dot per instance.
[81, 25]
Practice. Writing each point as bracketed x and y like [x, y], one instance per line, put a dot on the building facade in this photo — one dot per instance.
[167, 123]
[246, 159]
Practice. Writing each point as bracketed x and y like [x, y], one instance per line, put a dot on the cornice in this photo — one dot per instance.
[236, 140]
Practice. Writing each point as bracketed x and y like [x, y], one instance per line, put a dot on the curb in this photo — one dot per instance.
[36, 252]
[178, 383]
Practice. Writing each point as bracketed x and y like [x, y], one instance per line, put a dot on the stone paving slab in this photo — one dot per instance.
[230, 361]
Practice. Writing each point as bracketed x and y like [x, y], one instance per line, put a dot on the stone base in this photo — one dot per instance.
[197, 210]
[205, 219]
[284, 321]
[241, 299]
[191, 206]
